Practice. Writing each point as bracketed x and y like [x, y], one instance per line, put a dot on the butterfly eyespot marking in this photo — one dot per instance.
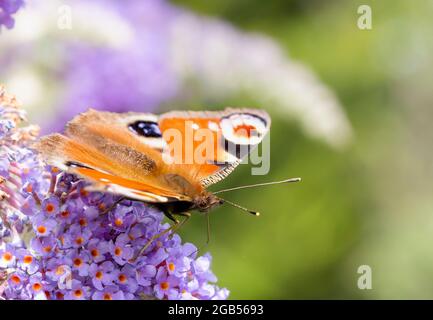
[148, 129]
[243, 128]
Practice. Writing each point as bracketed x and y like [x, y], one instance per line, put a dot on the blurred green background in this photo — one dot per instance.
[368, 204]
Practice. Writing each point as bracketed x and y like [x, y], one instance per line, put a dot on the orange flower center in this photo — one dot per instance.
[83, 222]
[59, 295]
[122, 278]
[29, 188]
[47, 294]
[99, 275]
[79, 241]
[47, 249]
[118, 222]
[28, 259]
[15, 279]
[117, 251]
[42, 229]
[7, 256]
[171, 266]
[94, 253]
[78, 293]
[37, 286]
[60, 270]
[50, 208]
[108, 296]
[78, 262]
[164, 285]
[65, 214]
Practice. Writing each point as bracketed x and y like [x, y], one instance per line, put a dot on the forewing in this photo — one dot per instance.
[213, 143]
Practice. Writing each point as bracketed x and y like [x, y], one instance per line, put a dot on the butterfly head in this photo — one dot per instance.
[206, 200]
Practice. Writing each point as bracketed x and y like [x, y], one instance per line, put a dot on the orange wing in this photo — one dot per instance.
[108, 173]
[211, 144]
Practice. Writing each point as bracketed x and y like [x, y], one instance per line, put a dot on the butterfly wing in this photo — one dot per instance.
[97, 148]
[124, 153]
[213, 143]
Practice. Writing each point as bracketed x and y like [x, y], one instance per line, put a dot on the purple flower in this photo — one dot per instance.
[59, 273]
[76, 237]
[80, 262]
[7, 256]
[109, 293]
[43, 246]
[7, 9]
[60, 241]
[50, 206]
[36, 287]
[16, 282]
[102, 275]
[97, 249]
[77, 291]
[26, 261]
[122, 219]
[43, 226]
[121, 250]
[28, 204]
[165, 284]
[126, 278]
[145, 274]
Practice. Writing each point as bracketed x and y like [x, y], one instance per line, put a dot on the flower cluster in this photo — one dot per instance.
[60, 241]
[7, 9]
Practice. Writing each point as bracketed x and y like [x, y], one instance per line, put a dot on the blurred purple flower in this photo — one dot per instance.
[124, 80]
[7, 9]
[72, 244]
[135, 76]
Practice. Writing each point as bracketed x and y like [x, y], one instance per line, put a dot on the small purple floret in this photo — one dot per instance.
[7, 9]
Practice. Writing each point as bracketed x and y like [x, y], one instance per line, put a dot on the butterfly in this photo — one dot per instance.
[141, 156]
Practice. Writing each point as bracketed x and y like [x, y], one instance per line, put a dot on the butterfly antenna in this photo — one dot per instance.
[254, 213]
[259, 185]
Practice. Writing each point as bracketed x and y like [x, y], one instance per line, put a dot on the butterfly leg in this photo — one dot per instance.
[105, 211]
[177, 224]
[171, 217]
